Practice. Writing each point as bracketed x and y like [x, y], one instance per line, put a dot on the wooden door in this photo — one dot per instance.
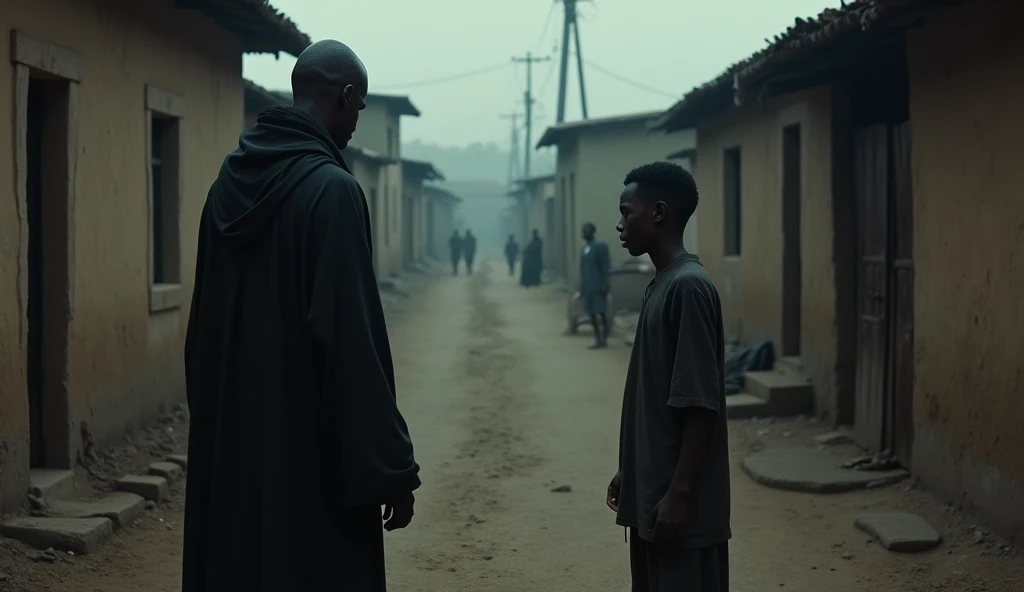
[871, 178]
[900, 429]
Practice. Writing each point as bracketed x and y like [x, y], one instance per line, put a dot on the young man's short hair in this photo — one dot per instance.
[671, 183]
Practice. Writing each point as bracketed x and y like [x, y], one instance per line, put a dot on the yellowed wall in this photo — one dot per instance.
[600, 157]
[124, 362]
[751, 284]
[372, 133]
[968, 131]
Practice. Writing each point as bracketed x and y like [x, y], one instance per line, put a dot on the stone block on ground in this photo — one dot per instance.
[79, 535]
[120, 507]
[150, 487]
[168, 470]
[51, 484]
[813, 471]
[179, 459]
[900, 531]
[787, 395]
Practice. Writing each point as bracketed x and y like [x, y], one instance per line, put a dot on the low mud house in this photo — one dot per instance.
[542, 211]
[594, 156]
[441, 219]
[416, 204]
[120, 141]
[379, 130]
[861, 208]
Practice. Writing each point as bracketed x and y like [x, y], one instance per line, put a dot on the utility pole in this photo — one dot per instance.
[513, 151]
[571, 26]
[529, 60]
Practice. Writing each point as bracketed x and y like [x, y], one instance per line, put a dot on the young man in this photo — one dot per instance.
[672, 487]
[469, 250]
[455, 249]
[595, 262]
[511, 254]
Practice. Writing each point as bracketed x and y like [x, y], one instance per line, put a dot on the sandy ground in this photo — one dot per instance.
[504, 409]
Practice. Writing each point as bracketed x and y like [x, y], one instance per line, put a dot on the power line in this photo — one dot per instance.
[631, 82]
[547, 25]
[451, 78]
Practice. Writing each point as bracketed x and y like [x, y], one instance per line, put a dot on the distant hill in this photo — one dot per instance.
[475, 162]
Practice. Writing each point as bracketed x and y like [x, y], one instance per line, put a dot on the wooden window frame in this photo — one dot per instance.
[160, 103]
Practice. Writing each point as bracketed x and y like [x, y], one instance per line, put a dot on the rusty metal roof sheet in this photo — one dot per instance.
[260, 26]
[847, 22]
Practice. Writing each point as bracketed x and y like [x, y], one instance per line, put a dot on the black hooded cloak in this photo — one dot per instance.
[296, 439]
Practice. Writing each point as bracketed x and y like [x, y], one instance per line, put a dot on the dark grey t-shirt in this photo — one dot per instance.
[677, 362]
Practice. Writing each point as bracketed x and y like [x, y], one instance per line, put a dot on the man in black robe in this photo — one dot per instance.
[533, 261]
[296, 439]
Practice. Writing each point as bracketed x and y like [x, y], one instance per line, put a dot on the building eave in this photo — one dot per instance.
[261, 27]
[398, 104]
[798, 50]
[555, 134]
[424, 171]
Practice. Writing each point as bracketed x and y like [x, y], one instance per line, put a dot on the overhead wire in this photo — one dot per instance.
[440, 80]
[629, 81]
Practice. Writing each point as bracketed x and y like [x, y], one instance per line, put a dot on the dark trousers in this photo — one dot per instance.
[670, 568]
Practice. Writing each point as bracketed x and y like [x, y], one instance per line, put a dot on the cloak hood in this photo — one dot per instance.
[272, 159]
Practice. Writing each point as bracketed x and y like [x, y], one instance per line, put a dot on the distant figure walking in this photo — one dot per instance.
[455, 248]
[469, 250]
[595, 262]
[532, 261]
[511, 253]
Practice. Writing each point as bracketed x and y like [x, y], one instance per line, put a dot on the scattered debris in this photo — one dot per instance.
[562, 489]
[832, 439]
[47, 556]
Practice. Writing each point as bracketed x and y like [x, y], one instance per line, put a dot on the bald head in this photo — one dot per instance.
[329, 82]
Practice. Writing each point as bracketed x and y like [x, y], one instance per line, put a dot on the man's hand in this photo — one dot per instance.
[614, 488]
[398, 513]
[670, 517]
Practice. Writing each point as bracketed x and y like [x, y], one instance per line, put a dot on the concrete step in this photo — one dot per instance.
[787, 394]
[790, 365]
[51, 484]
[168, 470]
[119, 507]
[179, 459]
[745, 406]
[78, 535]
[150, 487]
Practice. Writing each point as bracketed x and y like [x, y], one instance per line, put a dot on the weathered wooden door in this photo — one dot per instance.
[900, 430]
[871, 176]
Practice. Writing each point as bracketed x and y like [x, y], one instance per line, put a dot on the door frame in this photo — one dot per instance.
[35, 58]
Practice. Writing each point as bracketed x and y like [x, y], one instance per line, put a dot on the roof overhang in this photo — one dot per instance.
[688, 153]
[441, 194]
[372, 156]
[556, 134]
[258, 98]
[421, 170]
[808, 50]
[397, 104]
[260, 26]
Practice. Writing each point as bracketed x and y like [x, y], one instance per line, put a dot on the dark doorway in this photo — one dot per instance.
[791, 263]
[46, 184]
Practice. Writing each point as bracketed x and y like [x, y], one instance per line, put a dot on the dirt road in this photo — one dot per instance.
[504, 409]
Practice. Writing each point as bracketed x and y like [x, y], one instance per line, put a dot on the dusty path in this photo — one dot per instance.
[503, 408]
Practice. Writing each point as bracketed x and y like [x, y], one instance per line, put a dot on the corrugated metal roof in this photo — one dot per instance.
[260, 26]
[400, 104]
[425, 171]
[847, 23]
[554, 134]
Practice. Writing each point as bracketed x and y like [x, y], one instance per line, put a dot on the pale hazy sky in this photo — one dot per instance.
[669, 45]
